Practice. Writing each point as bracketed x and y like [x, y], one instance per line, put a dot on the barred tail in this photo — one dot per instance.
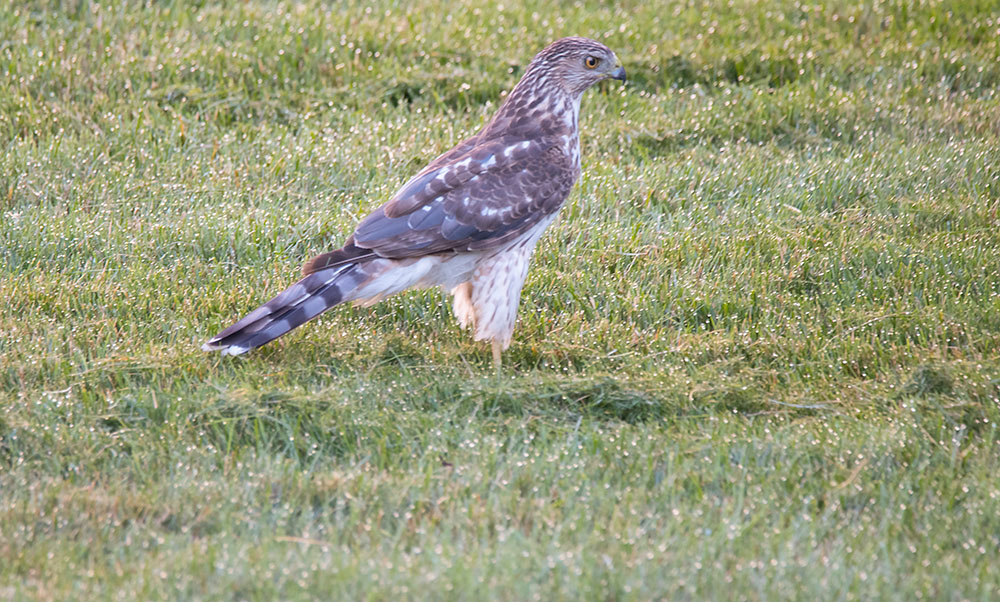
[299, 303]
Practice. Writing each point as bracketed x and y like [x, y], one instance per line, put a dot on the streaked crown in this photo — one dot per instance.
[575, 64]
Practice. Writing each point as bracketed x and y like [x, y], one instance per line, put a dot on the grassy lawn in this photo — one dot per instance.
[758, 355]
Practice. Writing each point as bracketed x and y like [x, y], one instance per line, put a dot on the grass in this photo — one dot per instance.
[758, 356]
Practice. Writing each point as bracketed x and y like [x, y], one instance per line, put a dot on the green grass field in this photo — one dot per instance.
[758, 355]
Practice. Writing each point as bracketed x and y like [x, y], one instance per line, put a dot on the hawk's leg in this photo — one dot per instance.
[497, 350]
[464, 310]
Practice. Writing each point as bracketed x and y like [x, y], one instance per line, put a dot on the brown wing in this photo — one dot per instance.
[479, 199]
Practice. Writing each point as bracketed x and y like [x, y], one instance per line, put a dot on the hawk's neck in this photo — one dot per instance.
[536, 108]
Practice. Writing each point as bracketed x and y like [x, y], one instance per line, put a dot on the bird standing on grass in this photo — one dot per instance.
[468, 222]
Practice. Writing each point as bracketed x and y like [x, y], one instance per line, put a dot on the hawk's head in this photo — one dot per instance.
[577, 63]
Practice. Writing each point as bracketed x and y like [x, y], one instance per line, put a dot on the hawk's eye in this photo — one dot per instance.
[591, 62]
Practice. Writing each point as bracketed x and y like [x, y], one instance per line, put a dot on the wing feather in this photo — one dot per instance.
[480, 198]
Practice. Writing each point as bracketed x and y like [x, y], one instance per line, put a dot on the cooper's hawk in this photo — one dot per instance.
[468, 222]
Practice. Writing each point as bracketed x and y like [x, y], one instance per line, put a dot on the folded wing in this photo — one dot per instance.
[479, 200]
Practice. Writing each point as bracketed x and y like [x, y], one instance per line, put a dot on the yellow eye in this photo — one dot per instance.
[591, 62]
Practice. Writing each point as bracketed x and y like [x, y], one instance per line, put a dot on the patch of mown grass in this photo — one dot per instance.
[757, 356]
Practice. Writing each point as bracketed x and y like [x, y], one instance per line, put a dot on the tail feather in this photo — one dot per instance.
[296, 305]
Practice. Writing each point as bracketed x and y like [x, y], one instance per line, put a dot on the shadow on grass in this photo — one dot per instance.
[392, 420]
[594, 399]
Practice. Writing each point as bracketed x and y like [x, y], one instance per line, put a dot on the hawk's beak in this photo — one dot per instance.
[618, 73]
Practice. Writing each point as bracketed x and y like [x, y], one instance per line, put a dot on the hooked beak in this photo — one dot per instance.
[618, 73]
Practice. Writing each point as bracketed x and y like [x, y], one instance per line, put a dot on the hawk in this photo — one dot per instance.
[468, 222]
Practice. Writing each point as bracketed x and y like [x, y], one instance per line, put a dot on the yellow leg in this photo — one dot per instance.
[497, 350]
